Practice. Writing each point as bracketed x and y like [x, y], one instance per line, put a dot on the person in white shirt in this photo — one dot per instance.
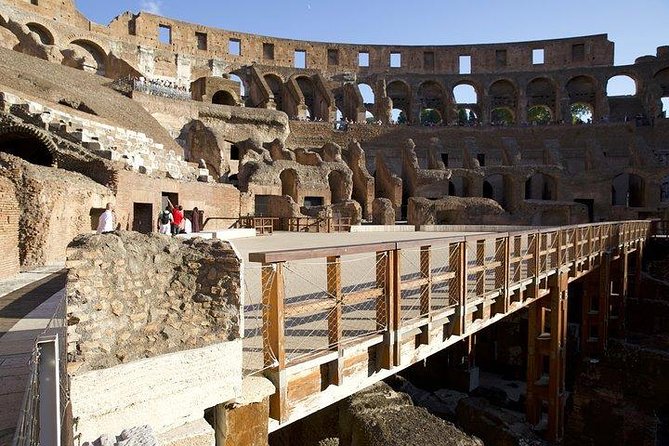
[107, 220]
[165, 220]
[188, 226]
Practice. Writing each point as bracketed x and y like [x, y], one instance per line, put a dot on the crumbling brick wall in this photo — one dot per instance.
[54, 207]
[9, 229]
[133, 296]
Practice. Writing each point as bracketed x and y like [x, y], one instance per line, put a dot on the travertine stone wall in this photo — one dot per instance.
[9, 229]
[133, 296]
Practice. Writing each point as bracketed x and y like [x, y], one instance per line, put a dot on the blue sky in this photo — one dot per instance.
[637, 28]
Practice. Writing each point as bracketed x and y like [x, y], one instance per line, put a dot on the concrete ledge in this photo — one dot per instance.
[205, 235]
[164, 392]
[383, 228]
[232, 234]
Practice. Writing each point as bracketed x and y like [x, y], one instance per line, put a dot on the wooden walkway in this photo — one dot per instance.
[337, 319]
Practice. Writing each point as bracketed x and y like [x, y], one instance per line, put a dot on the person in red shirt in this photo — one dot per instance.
[178, 217]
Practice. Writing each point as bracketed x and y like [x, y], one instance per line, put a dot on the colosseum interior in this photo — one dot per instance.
[317, 137]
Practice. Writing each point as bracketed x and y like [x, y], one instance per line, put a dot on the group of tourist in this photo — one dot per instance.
[161, 87]
[172, 220]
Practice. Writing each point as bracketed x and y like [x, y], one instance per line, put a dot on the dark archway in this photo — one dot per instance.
[309, 92]
[400, 94]
[503, 94]
[223, 97]
[431, 96]
[628, 189]
[582, 90]
[275, 85]
[541, 187]
[45, 36]
[28, 145]
[541, 92]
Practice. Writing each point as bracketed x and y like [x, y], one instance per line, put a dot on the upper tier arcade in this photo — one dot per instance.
[509, 83]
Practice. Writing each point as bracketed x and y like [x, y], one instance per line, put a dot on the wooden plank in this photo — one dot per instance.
[309, 307]
[315, 253]
[458, 291]
[361, 296]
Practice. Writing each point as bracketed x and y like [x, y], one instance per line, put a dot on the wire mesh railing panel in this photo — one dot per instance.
[363, 308]
[484, 259]
[442, 269]
[414, 268]
[308, 306]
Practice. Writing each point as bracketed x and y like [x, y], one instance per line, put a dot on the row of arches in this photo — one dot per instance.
[336, 182]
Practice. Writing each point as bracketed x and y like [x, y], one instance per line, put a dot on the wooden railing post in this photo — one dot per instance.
[335, 317]
[396, 305]
[273, 341]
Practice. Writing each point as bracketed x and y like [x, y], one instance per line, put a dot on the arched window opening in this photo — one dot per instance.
[309, 92]
[621, 85]
[44, 34]
[582, 90]
[430, 117]
[628, 190]
[465, 94]
[431, 96]
[400, 94]
[369, 117]
[223, 97]
[540, 187]
[541, 92]
[503, 95]
[27, 147]
[497, 187]
[581, 113]
[539, 115]
[276, 87]
[289, 181]
[367, 94]
[242, 88]
[501, 116]
[93, 57]
[398, 116]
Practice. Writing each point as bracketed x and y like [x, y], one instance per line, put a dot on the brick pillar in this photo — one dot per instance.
[244, 425]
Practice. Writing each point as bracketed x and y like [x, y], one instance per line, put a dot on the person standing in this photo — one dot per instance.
[196, 220]
[165, 220]
[177, 219]
[106, 220]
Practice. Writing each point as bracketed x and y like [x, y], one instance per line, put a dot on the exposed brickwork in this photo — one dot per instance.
[9, 229]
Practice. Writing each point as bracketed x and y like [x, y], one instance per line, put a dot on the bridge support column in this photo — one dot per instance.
[548, 385]
[596, 301]
[619, 276]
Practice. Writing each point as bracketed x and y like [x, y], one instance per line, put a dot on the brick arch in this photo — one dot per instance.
[275, 83]
[96, 51]
[29, 143]
[503, 93]
[44, 33]
[432, 95]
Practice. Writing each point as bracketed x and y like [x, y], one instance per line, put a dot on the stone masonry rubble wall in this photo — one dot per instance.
[132, 296]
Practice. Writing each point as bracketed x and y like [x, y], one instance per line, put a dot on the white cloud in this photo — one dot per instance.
[152, 6]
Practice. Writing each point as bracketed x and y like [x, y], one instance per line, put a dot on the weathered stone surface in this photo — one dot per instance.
[383, 212]
[133, 296]
[378, 416]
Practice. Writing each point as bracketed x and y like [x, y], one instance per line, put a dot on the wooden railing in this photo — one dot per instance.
[313, 224]
[262, 225]
[419, 297]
